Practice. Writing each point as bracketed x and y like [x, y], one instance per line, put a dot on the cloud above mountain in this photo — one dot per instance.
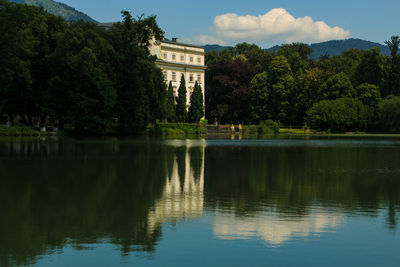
[275, 25]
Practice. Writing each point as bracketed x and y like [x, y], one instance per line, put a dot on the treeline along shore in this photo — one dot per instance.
[356, 91]
[91, 80]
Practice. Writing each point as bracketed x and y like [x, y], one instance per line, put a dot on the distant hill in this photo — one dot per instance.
[338, 47]
[58, 9]
[218, 48]
[330, 48]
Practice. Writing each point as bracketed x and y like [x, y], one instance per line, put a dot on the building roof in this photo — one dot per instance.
[182, 44]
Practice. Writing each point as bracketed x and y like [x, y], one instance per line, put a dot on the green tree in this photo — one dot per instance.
[392, 85]
[196, 109]
[389, 114]
[281, 81]
[368, 94]
[297, 55]
[181, 110]
[170, 105]
[81, 88]
[339, 115]
[309, 86]
[338, 86]
[370, 70]
[140, 84]
[259, 87]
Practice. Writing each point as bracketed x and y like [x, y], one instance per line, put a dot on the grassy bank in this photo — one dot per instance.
[177, 129]
[19, 131]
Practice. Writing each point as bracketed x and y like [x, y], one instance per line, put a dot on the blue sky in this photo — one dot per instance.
[265, 22]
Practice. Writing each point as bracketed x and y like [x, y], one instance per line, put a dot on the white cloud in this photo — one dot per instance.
[275, 25]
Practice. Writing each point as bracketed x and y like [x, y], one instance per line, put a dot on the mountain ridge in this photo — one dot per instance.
[58, 9]
[331, 48]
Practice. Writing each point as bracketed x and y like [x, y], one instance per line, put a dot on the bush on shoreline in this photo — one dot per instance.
[18, 131]
[168, 129]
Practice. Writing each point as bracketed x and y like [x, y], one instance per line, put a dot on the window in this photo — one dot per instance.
[173, 57]
[165, 75]
[199, 60]
[191, 77]
[191, 59]
[199, 78]
[182, 58]
[173, 76]
[165, 56]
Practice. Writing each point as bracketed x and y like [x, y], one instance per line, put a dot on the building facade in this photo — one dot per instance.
[175, 58]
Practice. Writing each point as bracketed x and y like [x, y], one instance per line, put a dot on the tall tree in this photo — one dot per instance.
[260, 97]
[81, 88]
[281, 81]
[196, 109]
[140, 84]
[392, 84]
[181, 109]
[170, 105]
[338, 86]
[228, 92]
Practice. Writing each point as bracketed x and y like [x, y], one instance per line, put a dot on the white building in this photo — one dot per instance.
[175, 59]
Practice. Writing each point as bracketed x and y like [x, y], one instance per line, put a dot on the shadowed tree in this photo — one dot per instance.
[196, 109]
[181, 111]
[392, 85]
[170, 105]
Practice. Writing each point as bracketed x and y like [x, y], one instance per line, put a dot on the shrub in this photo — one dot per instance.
[389, 114]
[167, 129]
[340, 115]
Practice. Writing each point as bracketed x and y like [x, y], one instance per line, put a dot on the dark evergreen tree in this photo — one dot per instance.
[181, 111]
[170, 105]
[196, 109]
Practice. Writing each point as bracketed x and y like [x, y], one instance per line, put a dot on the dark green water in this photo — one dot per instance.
[107, 202]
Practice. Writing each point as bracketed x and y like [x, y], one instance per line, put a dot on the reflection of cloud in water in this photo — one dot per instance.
[180, 200]
[272, 228]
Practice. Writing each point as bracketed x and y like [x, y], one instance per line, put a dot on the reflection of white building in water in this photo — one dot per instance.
[180, 201]
[274, 229]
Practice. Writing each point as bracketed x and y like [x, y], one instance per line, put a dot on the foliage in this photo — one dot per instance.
[196, 109]
[79, 73]
[228, 94]
[267, 127]
[181, 109]
[339, 115]
[338, 86]
[168, 129]
[368, 94]
[170, 104]
[389, 114]
[18, 131]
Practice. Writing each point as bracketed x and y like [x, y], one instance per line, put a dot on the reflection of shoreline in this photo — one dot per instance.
[272, 228]
[180, 200]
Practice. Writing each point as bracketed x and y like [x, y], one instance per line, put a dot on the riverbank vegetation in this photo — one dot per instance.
[97, 81]
[356, 91]
[177, 129]
[81, 75]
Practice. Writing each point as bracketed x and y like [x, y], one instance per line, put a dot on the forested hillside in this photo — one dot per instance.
[58, 9]
[330, 48]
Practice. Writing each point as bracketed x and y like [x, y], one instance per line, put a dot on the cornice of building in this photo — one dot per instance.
[181, 65]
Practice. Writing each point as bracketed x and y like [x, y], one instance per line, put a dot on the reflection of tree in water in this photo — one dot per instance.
[292, 179]
[182, 197]
[54, 194]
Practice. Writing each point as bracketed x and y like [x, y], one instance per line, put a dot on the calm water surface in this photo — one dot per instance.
[278, 202]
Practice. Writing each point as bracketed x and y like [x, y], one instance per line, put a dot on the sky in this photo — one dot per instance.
[263, 22]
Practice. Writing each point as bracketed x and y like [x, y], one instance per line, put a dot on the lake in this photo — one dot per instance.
[150, 202]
